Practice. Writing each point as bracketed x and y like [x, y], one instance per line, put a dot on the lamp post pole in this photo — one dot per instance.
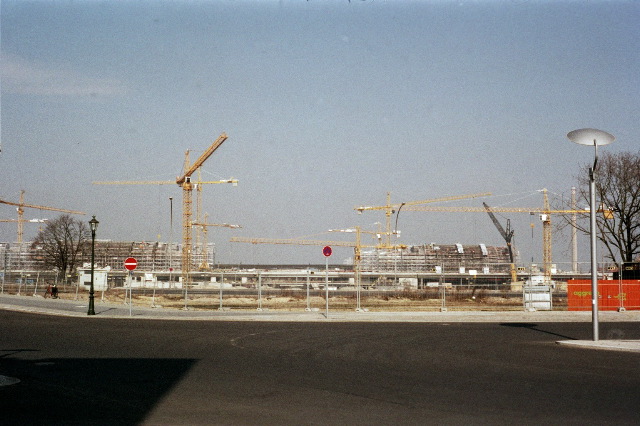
[170, 242]
[93, 223]
[594, 258]
[592, 137]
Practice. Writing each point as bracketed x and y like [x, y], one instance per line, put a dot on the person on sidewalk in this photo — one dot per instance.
[48, 292]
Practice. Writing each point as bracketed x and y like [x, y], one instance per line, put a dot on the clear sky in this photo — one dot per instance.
[327, 105]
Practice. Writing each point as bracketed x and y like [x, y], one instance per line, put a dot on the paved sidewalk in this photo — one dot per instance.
[78, 308]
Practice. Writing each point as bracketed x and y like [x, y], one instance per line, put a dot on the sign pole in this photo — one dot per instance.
[186, 297]
[260, 291]
[326, 284]
[220, 290]
[308, 309]
[153, 298]
[326, 251]
[130, 263]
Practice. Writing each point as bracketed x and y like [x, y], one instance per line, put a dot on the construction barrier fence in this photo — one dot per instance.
[613, 295]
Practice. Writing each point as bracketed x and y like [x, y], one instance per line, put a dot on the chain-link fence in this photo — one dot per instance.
[567, 288]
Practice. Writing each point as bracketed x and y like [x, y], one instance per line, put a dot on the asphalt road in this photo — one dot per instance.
[116, 371]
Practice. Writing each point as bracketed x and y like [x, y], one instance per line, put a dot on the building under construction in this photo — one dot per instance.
[151, 256]
[164, 257]
[438, 258]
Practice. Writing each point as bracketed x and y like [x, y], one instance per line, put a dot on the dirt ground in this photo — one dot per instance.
[298, 302]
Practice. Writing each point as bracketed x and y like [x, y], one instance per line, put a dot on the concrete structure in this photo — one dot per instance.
[439, 258]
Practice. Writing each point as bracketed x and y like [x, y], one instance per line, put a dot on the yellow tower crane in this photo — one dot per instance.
[357, 256]
[389, 208]
[201, 230]
[184, 181]
[357, 246]
[544, 213]
[21, 205]
[204, 265]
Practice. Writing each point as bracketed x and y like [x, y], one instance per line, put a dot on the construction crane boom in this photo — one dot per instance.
[33, 206]
[191, 169]
[508, 236]
[545, 215]
[391, 208]
[411, 203]
[22, 205]
[505, 235]
[295, 242]
[158, 182]
[224, 225]
[26, 220]
[532, 210]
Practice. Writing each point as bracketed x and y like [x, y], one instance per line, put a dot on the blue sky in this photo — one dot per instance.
[327, 105]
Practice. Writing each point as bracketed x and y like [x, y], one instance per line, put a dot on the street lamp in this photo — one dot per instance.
[93, 223]
[592, 137]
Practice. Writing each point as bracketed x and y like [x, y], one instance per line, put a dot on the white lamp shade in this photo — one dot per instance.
[590, 137]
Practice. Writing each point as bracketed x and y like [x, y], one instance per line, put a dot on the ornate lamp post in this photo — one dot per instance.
[93, 223]
[592, 137]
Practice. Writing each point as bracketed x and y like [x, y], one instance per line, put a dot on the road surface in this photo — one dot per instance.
[79, 370]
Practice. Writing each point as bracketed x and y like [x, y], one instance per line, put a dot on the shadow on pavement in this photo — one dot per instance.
[15, 351]
[104, 311]
[86, 391]
[534, 327]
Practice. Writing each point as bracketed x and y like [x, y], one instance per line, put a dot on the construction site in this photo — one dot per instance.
[373, 266]
[195, 255]
[380, 266]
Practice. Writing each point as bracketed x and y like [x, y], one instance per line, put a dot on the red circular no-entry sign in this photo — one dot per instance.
[327, 251]
[130, 263]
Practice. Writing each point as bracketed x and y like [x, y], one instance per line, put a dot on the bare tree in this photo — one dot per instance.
[617, 183]
[61, 241]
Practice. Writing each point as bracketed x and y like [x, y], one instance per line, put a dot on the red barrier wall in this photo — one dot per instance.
[611, 295]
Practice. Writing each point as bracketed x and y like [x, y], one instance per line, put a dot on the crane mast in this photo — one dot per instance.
[184, 181]
[546, 236]
[204, 265]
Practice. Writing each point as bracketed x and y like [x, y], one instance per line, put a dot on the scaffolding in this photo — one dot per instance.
[151, 256]
[452, 258]
[165, 257]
